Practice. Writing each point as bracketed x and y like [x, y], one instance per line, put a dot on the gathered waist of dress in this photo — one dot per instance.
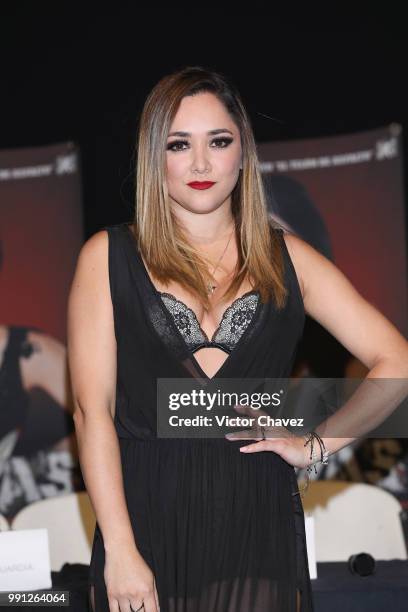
[156, 444]
[184, 460]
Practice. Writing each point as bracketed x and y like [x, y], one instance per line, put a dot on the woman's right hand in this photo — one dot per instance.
[129, 582]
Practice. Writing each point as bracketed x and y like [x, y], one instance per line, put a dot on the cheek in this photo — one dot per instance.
[230, 171]
[230, 163]
[175, 168]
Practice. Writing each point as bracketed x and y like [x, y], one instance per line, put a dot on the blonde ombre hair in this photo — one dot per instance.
[158, 233]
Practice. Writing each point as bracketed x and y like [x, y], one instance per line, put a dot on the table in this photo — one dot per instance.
[336, 589]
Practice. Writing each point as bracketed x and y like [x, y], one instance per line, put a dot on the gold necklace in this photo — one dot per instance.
[210, 287]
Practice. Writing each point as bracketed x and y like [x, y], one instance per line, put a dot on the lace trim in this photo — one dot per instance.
[234, 321]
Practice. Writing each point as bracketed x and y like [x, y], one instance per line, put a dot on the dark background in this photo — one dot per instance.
[81, 72]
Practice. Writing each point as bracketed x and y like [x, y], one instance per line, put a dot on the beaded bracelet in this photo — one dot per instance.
[324, 456]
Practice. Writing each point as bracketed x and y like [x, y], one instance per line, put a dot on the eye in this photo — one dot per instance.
[176, 143]
[226, 140]
[174, 146]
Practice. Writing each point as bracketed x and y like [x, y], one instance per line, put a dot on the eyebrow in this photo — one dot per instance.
[210, 133]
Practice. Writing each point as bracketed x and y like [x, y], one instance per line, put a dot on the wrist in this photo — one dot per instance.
[119, 541]
[317, 451]
[311, 454]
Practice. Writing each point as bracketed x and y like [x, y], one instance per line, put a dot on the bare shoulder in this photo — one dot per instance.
[92, 263]
[90, 288]
[309, 263]
[315, 272]
[90, 283]
[295, 248]
[90, 326]
[95, 249]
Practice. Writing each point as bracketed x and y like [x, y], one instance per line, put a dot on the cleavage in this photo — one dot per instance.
[209, 358]
[215, 323]
[234, 321]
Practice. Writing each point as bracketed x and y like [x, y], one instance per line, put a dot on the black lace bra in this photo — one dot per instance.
[234, 321]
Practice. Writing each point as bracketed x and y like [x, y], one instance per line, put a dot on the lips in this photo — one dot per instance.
[201, 184]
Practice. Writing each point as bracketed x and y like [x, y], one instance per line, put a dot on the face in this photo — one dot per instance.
[198, 155]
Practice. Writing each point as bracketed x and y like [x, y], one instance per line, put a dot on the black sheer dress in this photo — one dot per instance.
[221, 531]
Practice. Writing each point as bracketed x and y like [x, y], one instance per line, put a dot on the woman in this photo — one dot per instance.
[195, 524]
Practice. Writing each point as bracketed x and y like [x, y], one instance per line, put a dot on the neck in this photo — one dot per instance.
[208, 228]
[209, 236]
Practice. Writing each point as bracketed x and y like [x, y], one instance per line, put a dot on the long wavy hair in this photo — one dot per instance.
[158, 233]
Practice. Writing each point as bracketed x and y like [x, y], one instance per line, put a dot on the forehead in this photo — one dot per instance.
[201, 112]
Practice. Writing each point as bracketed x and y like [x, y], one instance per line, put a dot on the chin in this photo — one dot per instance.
[203, 210]
[197, 204]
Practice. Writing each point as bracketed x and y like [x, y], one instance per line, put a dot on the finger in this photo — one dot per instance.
[150, 604]
[134, 604]
[245, 434]
[263, 445]
[113, 604]
[238, 435]
[124, 605]
[254, 448]
[156, 595]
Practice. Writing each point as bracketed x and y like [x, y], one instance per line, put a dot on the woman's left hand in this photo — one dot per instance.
[277, 439]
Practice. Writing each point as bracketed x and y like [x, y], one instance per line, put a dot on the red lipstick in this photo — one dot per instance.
[201, 184]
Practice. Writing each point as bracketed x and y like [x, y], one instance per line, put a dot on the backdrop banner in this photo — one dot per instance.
[344, 195]
[41, 232]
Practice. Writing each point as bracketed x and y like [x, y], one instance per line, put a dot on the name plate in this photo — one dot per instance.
[24, 560]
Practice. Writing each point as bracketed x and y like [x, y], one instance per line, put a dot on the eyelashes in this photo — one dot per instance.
[176, 143]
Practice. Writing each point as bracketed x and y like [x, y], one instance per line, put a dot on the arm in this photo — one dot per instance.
[331, 299]
[92, 365]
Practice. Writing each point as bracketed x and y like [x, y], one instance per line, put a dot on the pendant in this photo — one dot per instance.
[211, 288]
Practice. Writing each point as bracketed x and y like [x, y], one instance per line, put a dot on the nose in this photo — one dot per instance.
[200, 162]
